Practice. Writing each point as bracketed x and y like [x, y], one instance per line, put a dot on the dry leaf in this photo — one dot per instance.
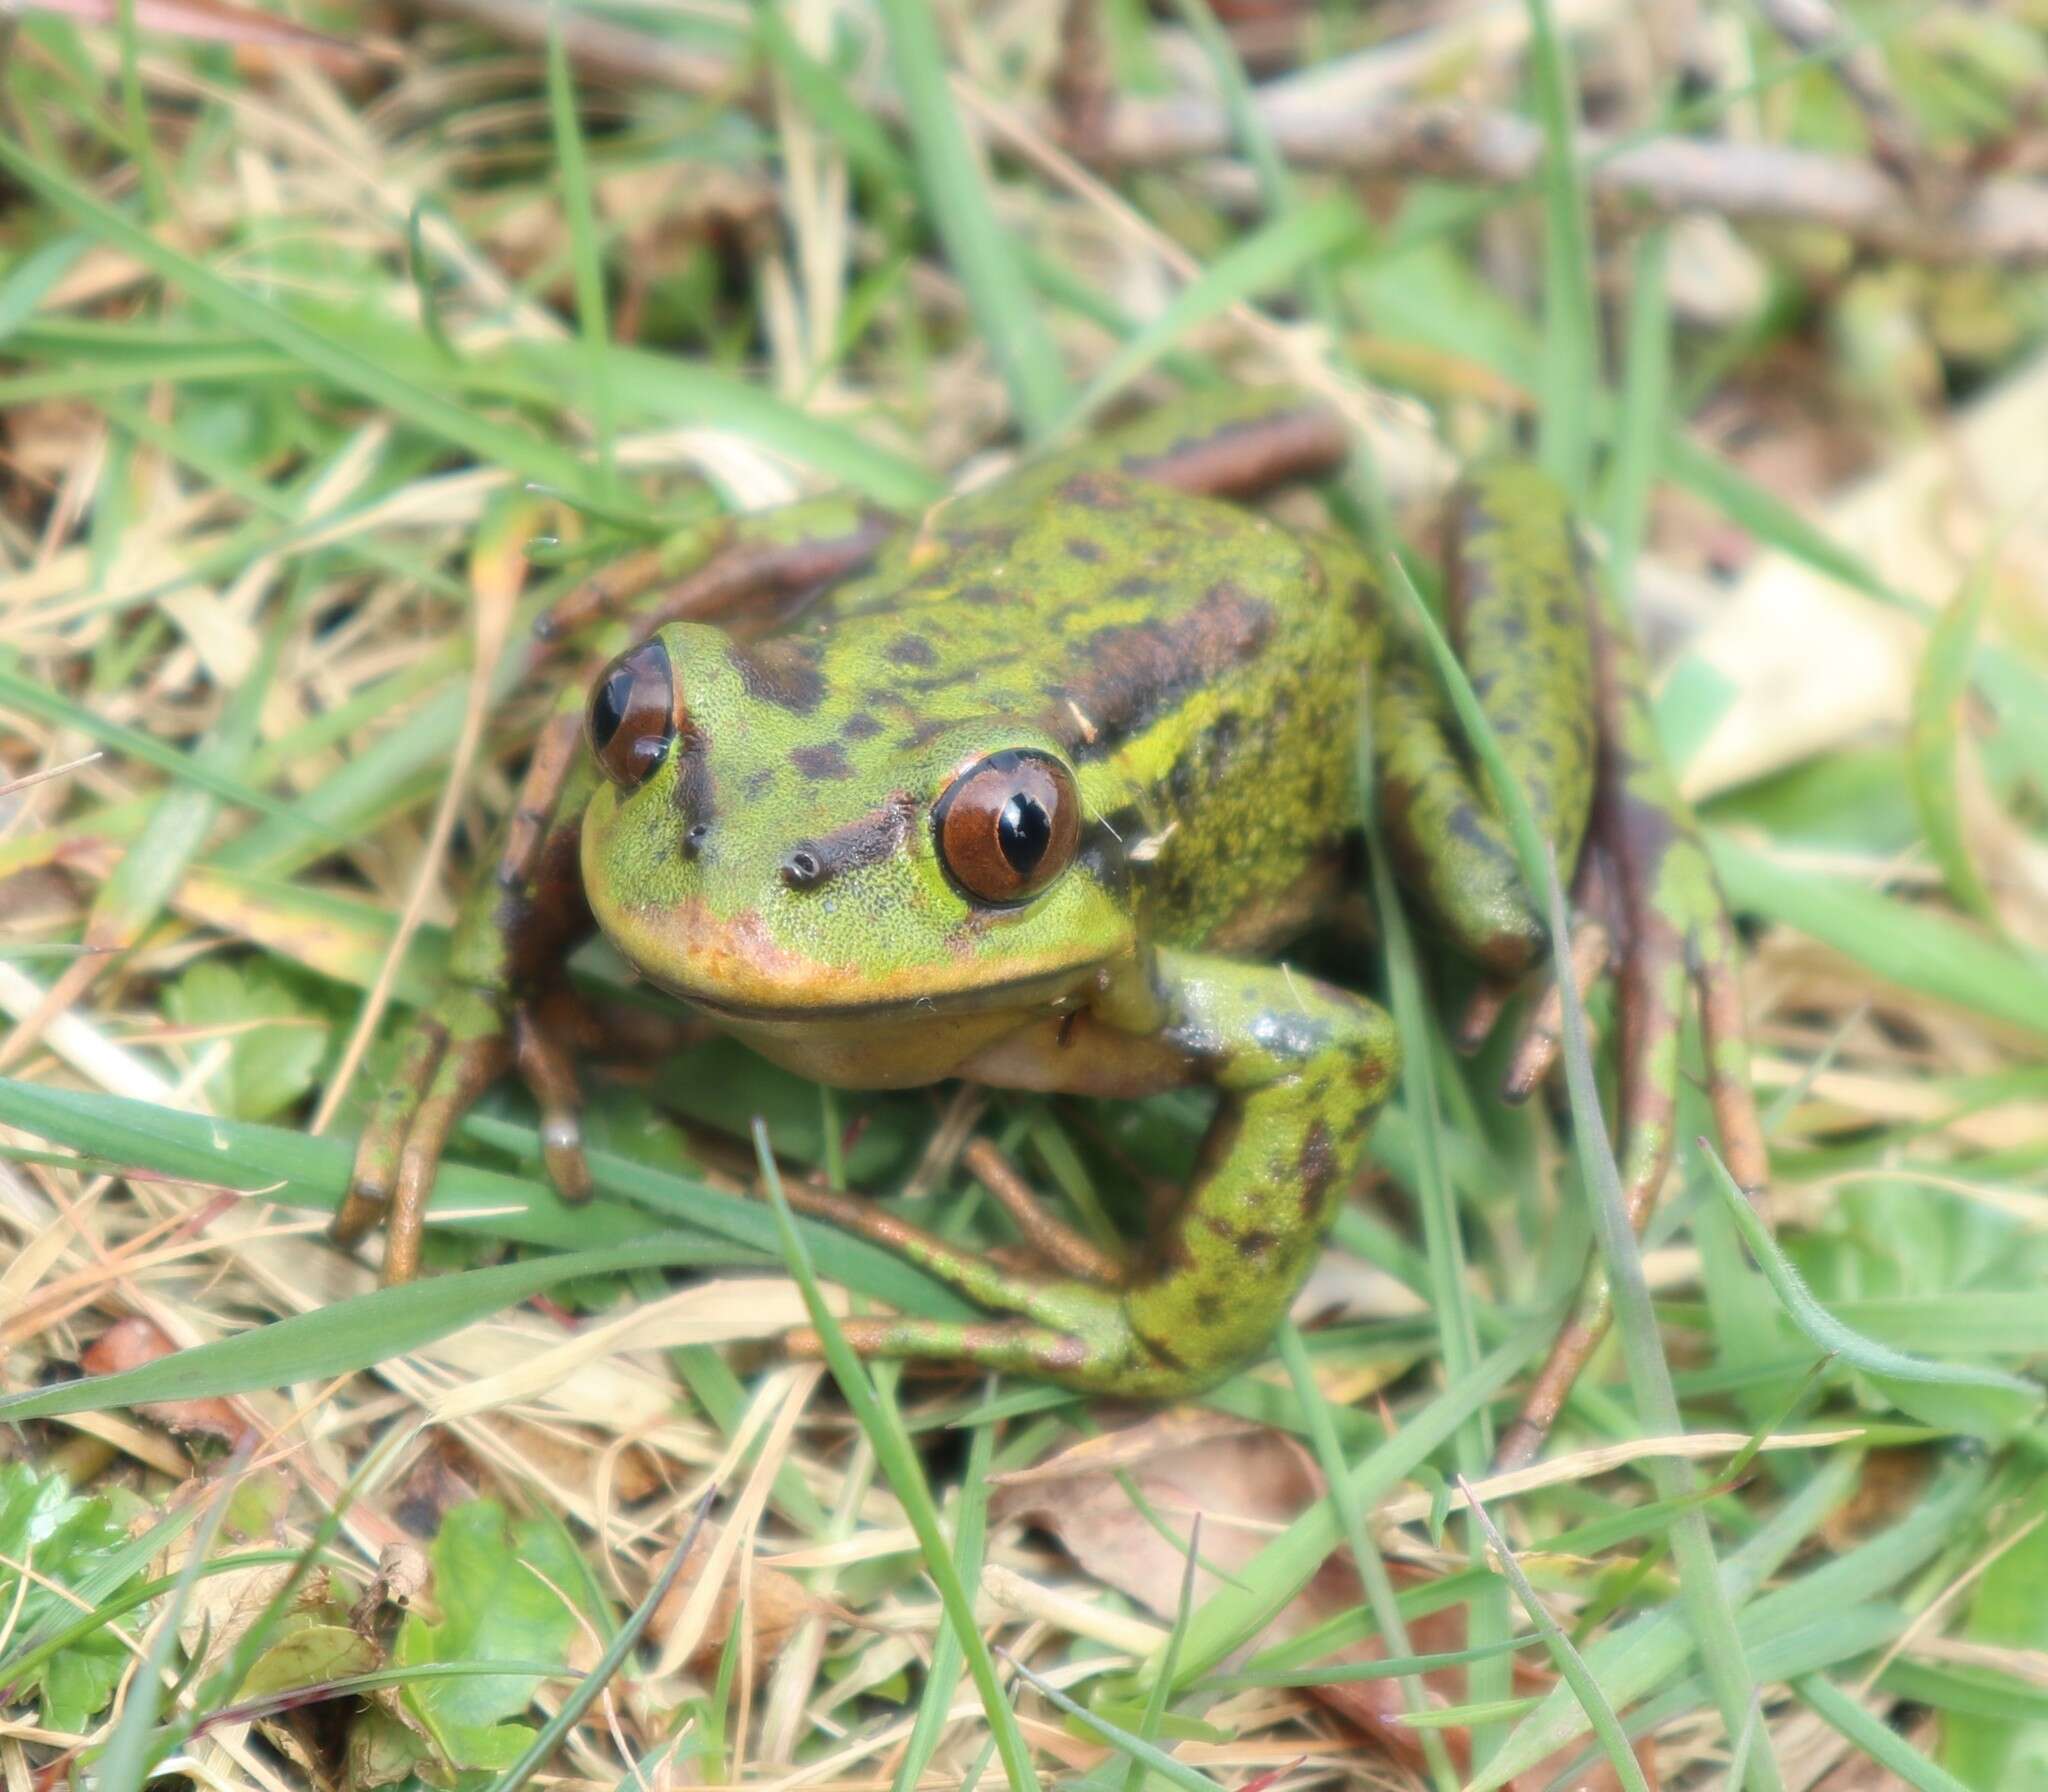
[776, 1604]
[1246, 1483]
[131, 1343]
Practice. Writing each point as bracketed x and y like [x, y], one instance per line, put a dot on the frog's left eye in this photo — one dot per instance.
[1007, 827]
[632, 714]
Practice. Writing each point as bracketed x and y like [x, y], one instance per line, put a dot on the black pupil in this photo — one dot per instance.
[609, 710]
[1023, 831]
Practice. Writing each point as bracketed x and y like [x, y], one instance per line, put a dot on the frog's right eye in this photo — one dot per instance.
[632, 715]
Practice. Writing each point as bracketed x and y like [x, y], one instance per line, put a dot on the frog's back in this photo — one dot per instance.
[1201, 666]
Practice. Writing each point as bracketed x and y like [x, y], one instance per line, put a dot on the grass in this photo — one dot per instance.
[284, 334]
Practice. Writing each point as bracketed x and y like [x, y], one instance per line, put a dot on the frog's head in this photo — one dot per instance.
[865, 895]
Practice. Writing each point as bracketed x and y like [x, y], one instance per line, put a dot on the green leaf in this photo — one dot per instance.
[310, 1654]
[274, 1045]
[1933, 741]
[64, 1537]
[1958, 1396]
[502, 1589]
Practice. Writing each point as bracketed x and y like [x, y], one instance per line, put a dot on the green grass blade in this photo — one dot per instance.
[1230, 1617]
[899, 1461]
[1873, 1736]
[1269, 257]
[1570, 1663]
[1571, 324]
[1904, 944]
[1365, 1554]
[1933, 741]
[1986, 1402]
[319, 354]
[982, 254]
[585, 253]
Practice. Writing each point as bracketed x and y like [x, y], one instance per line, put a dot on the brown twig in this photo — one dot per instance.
[2004, 221]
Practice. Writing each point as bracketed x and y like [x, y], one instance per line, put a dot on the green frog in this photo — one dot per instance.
[1028, 790]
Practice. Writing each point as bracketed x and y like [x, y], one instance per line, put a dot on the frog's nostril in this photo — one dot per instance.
[803, 870]
[693, 840]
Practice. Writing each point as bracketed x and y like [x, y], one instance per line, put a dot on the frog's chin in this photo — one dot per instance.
[892, 1043]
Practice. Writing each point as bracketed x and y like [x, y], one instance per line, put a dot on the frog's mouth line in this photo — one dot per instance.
[1015, 991]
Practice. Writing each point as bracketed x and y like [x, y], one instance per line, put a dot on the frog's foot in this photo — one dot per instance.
[1074, 1329]
[715, 568]
[1054, 1241]
[449, 1060]
[1540, 1036]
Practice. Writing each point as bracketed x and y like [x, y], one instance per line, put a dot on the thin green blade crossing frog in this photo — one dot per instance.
[1028, 790]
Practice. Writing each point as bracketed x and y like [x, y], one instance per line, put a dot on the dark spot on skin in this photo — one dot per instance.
[1208, 1308]
[816, 763]
[1131, 673]
[1079, 547]
[872, 838]
[1255, 1243]
[924, 734]
[692, 798]
[1137, 585]
[982, 595]
[860, 727]
[1511, 627]
[1317, 1167]
[1165, 1353]
[758, 784]
[910, 650]
[782, 670]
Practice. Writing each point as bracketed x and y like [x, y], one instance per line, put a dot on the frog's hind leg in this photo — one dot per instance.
[1675, 941]
[1229, 443]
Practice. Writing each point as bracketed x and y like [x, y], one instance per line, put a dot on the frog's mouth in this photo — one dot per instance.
[1048, 990]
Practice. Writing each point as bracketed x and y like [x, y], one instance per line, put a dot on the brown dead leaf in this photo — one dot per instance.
[129, 1344]
[776, 1604]
[1245, 1483]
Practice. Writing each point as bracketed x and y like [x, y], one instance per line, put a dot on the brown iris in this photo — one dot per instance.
[1007, 827]
[632, 714]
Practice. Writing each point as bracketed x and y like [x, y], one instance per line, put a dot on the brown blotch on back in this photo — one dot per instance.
[1079, 547]
[910, 650]
[828, 761]
[860, 726]
[782, 670]
[1133, 670]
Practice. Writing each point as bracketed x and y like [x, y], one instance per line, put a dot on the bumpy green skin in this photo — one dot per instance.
[1202, 671]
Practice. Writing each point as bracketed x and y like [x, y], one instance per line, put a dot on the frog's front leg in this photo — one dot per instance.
[1302, 1069]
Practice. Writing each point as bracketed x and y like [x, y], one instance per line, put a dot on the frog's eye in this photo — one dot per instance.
[1007, 827]
[632, 714]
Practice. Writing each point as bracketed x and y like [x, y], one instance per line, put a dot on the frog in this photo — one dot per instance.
[1034, 789]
